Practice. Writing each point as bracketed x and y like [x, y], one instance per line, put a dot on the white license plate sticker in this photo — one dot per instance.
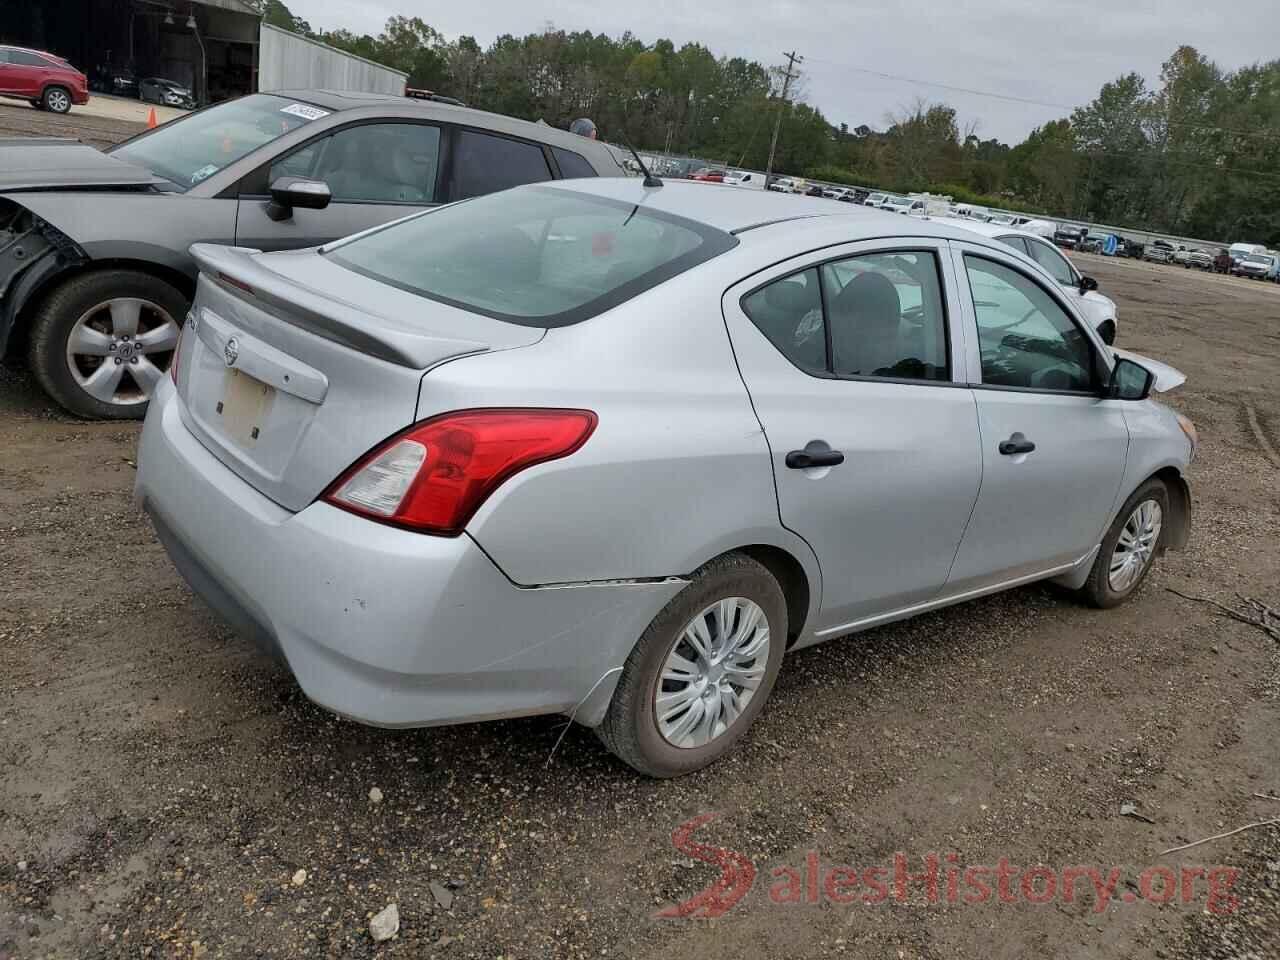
[305, 111]
[244, 407]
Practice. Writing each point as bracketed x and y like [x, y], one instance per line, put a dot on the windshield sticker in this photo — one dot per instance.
[208, 170]
[305, 111]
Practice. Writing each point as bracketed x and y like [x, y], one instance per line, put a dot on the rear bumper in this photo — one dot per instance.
[381, 625]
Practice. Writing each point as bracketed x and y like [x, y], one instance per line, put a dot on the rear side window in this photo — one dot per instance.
[23, 59]
[573, 164]
[877, 316]
[483, 163]
[541, 256]
[1049, 258]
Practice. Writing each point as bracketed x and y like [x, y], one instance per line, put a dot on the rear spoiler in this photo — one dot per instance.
[240, 272]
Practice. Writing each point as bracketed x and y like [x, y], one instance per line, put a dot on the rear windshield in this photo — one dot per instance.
[537, 256]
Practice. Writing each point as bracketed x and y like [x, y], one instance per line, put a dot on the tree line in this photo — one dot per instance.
[1198, 155]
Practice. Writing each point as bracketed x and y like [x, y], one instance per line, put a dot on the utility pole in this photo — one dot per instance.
[792, 59]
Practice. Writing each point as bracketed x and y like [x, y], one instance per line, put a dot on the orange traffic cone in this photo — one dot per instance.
[151, 118]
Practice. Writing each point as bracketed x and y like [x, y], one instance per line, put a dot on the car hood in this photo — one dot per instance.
[28, 163]
[1167, 377]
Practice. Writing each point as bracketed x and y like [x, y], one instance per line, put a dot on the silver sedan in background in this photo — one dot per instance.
[613, 450]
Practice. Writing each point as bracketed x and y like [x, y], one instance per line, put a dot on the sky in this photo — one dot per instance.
[1055, 52]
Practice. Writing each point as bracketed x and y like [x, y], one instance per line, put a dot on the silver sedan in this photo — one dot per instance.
[613, 450]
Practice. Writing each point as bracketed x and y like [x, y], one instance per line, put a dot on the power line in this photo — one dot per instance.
[792, 59]
[991, 94]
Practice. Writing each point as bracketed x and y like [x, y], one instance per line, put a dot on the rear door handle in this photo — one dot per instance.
[1015, 445]
[816, 453]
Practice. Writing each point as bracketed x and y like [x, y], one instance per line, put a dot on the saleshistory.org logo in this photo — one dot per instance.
[941, 878]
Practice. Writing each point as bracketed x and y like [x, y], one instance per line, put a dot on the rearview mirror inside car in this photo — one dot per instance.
[290, 192]
[1130, 381]
[1087, 284]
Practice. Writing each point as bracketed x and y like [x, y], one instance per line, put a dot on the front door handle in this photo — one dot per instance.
[1015, 445]
[816, 453]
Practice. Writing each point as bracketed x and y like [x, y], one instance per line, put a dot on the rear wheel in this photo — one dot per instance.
[701, 672]
[1129, 548]
[57, 100]
[101, 342]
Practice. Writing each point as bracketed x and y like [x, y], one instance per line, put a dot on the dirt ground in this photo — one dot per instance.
[162, 785]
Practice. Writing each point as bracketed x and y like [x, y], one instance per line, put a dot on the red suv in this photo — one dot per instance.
[47, 81]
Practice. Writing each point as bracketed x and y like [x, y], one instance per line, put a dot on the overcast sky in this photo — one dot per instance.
[1052, 51]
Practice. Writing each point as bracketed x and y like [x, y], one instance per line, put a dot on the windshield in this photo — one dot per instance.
[899, 201]
[198, 146]
[538, 256]
[1258, 258]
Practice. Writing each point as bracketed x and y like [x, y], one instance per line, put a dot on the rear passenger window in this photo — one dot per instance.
[879, 315]
[789, 313]
[573, 164]
[485, 164]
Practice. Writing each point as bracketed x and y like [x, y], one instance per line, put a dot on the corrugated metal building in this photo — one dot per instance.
[218, 48]
[287, 61]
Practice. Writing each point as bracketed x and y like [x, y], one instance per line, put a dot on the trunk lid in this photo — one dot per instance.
[29, 163]
[296, 366]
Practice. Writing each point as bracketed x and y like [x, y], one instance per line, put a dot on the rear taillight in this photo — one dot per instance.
[434, 476]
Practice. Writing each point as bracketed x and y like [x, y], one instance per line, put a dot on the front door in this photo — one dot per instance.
[1053, 451]
[875, 448]
[376, 172]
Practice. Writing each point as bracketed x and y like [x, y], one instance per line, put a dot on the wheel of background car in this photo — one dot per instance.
[101, 342]
[701, 672]
[57, 100]
[1129, 548]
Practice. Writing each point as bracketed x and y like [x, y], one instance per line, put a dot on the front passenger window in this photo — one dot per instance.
[1026, 339]
[370, 163]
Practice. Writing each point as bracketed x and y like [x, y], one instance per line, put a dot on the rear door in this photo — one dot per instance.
[847, 355]
[6, 72]
[1053, 451]
[376, 172]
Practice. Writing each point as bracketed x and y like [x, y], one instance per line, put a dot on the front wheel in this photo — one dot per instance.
[701, 672]
[101, 342]
[1129, 548]
[57, 100]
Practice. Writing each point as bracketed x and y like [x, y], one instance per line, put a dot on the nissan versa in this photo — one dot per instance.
[612, 450]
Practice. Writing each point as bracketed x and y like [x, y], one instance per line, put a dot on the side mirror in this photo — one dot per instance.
[1130, 381]
[290, 192]
[1087, 284]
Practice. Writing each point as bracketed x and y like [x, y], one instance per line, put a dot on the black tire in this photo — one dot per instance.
[57, 316]
[630, 728]
[56, 99]
[1097, 590]
[39, 105]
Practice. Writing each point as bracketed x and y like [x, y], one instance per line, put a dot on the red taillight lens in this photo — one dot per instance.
[434, 476]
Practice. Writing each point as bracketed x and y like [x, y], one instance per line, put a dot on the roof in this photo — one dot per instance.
[736, 209]
[401, 106]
